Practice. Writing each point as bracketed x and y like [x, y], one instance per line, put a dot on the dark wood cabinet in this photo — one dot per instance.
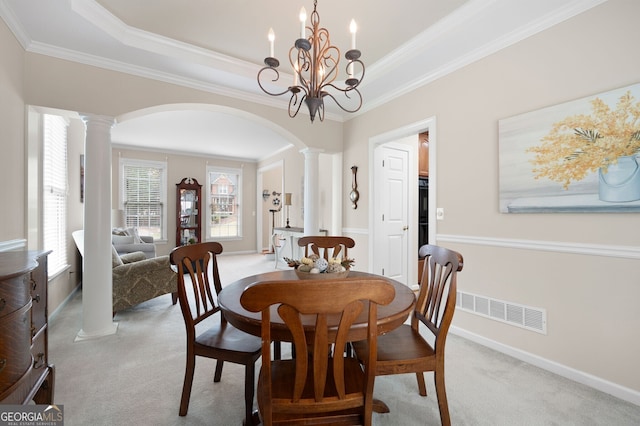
[25, 372]
[423, 154]
[188, 212]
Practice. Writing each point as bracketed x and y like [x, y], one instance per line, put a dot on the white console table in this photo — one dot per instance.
[290, 237]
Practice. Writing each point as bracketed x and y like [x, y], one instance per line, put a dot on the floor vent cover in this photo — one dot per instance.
[528, 317]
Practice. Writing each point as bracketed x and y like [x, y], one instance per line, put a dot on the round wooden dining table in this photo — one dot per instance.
[390, 316]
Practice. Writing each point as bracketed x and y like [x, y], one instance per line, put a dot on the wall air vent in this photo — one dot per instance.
[534, 319]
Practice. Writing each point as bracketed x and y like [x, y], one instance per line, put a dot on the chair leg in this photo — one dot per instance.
[422, 388]
[174, 297]
[442, 397]
[186, 387]
[249, 383]
[218, 373]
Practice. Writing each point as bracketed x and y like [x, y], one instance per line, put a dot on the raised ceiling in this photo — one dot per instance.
[219, 46]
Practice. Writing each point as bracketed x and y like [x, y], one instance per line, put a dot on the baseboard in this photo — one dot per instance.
[624, 393]
[64, 302]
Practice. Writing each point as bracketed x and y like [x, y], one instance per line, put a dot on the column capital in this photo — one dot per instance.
[97, 119]
[308, 152]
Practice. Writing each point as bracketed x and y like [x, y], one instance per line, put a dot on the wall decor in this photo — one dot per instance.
[276, 199]
[354, 195]
[578, 156]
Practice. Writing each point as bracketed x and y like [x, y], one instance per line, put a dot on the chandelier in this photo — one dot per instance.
[314, 62]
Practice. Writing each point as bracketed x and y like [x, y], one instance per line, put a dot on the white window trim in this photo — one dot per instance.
[163, 187]
[56, 268]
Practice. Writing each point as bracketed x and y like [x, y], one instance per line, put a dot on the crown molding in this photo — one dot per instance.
[14, 25]
[452, 26]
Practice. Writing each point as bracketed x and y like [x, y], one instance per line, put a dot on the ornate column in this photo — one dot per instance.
[311, 192]
[97, 295]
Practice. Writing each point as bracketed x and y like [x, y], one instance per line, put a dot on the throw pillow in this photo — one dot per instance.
[118, 231]
[115, 258]
[121, 239]
[134, 233]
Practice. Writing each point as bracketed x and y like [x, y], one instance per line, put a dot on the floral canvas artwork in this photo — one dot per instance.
[579, 156]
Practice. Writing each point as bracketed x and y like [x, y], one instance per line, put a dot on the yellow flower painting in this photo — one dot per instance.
[582, 143]
[580, 156]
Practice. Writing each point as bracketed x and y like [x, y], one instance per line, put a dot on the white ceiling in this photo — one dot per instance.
[219, 46]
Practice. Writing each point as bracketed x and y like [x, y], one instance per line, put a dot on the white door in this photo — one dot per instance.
[392, 221]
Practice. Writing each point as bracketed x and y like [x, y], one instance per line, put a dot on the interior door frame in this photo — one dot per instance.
[412, 176]
[260, 202]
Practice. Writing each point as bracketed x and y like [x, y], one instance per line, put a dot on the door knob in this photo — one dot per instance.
[404, 228]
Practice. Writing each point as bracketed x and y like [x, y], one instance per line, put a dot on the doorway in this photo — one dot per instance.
[270, 184]
[398, 140]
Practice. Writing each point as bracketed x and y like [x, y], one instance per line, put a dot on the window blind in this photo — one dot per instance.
[143, 197]
[54, 182]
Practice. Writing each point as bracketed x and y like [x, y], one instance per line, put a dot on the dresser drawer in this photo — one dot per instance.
[15, 292]
[15, 347]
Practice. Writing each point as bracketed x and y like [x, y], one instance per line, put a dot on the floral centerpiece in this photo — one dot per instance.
[316, 267]
[580, 144]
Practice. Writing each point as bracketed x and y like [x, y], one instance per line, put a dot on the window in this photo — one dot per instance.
[54, 184]
[224, 200]
[143, 196]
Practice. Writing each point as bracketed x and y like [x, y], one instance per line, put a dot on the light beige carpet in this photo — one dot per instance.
[135, 377]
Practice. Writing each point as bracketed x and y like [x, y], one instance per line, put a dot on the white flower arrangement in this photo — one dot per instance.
[315, 264]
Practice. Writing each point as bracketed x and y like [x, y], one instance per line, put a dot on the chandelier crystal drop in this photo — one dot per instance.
[315, 65]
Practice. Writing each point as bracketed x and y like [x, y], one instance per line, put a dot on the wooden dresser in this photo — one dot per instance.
[25, 372]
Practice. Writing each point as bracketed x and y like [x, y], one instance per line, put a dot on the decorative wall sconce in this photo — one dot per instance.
[354, 196]
[276, 200]
[265, 194]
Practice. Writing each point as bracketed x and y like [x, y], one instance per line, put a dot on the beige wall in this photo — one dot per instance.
[591, 300]
[271, 181]
[12, 115]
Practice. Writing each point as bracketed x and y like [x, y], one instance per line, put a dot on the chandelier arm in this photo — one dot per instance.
[293, 101]
[274, 80]
[345, 91]
[330, 76]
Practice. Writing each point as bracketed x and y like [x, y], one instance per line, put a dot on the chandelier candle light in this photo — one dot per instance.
[314, 62]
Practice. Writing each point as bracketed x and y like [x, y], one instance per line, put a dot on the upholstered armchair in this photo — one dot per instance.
[137, 279]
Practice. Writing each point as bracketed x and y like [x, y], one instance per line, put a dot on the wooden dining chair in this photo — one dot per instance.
[198, 287]
[405, 350]
[318, 386]
[327, 247]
